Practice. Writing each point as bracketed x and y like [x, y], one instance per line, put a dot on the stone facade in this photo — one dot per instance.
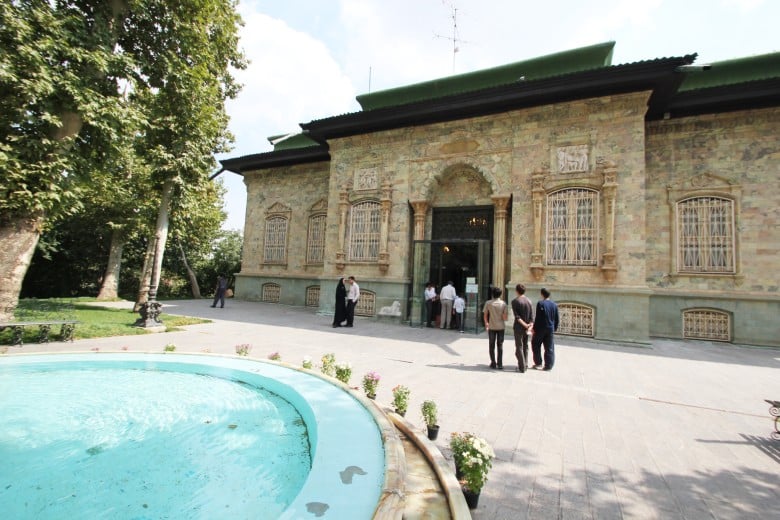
[514, 160]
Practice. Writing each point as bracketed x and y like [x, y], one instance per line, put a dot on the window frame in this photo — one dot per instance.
[703, 241]
[370, 238]
[563, 240]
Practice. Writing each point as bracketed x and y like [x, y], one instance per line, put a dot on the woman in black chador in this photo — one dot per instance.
[341, 304]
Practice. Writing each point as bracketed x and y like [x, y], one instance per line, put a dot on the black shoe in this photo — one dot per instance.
[212, 306]
[348, 325]
[492, 365]
[500, 367]
[336, 325]
[547, 369]
[521, 370]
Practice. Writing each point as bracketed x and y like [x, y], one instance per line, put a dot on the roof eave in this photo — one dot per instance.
[727, 98]
[261, 161]
[579, 85]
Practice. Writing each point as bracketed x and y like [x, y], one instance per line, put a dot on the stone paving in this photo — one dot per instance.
[679, 430]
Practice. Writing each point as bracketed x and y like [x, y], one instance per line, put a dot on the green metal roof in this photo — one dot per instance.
[291, 141]
[730, 72]
[574, 60]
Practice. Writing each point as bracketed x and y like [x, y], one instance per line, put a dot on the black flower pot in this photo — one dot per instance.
[433, 432]
[371, 396]
[472, 499]
[402, 413]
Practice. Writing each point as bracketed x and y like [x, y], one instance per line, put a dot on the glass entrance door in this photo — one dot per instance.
[465, 263]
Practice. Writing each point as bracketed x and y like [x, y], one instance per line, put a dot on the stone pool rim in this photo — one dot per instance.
[341, 499]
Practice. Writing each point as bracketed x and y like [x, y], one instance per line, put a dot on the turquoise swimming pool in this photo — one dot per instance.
[181, 436]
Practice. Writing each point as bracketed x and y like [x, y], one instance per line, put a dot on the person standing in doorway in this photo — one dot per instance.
[430, 299]
[545, 325]
[353, 295]
[341, 304]
[459, 306]
[219, 292]
[524, 320]
[495, 314]
[447, 297]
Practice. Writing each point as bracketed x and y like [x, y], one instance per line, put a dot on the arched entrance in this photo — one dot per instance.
[458, 247]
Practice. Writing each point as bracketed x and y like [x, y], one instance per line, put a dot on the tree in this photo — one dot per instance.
[65, 72]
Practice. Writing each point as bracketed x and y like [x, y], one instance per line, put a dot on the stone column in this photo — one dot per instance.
[609, 191]
[384, 226]
[420, 208]
[501, 203]
[537, 267]
[343, 209]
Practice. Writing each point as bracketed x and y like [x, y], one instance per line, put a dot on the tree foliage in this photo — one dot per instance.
[125, 94]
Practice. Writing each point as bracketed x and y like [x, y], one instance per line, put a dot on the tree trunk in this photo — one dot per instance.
[161, 232]
[150, 277]
[109, 289]
[190, 274]
[146, 277]
[19, 236]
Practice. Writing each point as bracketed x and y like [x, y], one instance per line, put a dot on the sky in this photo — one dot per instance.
[308, 59]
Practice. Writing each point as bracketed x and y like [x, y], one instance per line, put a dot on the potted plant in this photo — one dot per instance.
[329, 365]
[243, 349]
[401, 399]
[473, 459]
[370, 382]
[275, 356]
[343, 372]
[307, 363]
[429, 413]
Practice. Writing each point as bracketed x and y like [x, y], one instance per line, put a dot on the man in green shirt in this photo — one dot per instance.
[495, 314]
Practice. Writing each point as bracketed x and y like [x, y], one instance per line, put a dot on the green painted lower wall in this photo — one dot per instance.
[620, 315]
[293, 292]
[753, 321]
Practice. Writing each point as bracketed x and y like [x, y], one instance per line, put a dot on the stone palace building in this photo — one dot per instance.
[645, 196]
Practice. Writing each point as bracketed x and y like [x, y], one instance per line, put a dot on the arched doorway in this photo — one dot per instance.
[458, 247]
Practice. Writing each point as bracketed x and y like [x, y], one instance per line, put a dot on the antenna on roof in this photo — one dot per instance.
[455, 38]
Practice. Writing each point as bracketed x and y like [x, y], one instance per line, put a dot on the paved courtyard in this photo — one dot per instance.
[677, 430]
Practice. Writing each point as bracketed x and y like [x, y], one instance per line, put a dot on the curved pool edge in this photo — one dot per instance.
[313, 501]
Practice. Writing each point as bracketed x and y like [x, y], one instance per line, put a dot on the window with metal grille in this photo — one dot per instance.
[313, 296]
[576, 319]
[315, 243]
[572, 227]
[705, 235]
[364, 225]
[707, 324]
[271, 292]
[275, 248]
[365, 304]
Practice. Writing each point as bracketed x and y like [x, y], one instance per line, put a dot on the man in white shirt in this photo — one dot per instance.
[430, 299]
[447, 296]
[352, 297]
[460, 307]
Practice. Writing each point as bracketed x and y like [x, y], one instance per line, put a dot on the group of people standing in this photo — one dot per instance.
[346, 300]
[450, 304]
[540, 325]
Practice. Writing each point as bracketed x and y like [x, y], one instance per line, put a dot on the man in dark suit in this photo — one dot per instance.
[545, 324]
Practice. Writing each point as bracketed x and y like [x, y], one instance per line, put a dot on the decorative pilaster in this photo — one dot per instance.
[609, 191]
[500, 203]
[341, 254]
[384, 226]
[537, 267]
[420, 208]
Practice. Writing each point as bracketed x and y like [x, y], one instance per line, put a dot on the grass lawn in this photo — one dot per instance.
[94, 322]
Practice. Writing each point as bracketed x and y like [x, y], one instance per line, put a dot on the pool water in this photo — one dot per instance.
[117, 442]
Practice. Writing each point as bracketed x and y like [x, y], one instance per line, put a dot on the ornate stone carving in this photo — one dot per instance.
[366, 179]
[572, 159]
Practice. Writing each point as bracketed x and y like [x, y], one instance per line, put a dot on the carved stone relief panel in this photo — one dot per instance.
[366, 179]
[572, 159]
